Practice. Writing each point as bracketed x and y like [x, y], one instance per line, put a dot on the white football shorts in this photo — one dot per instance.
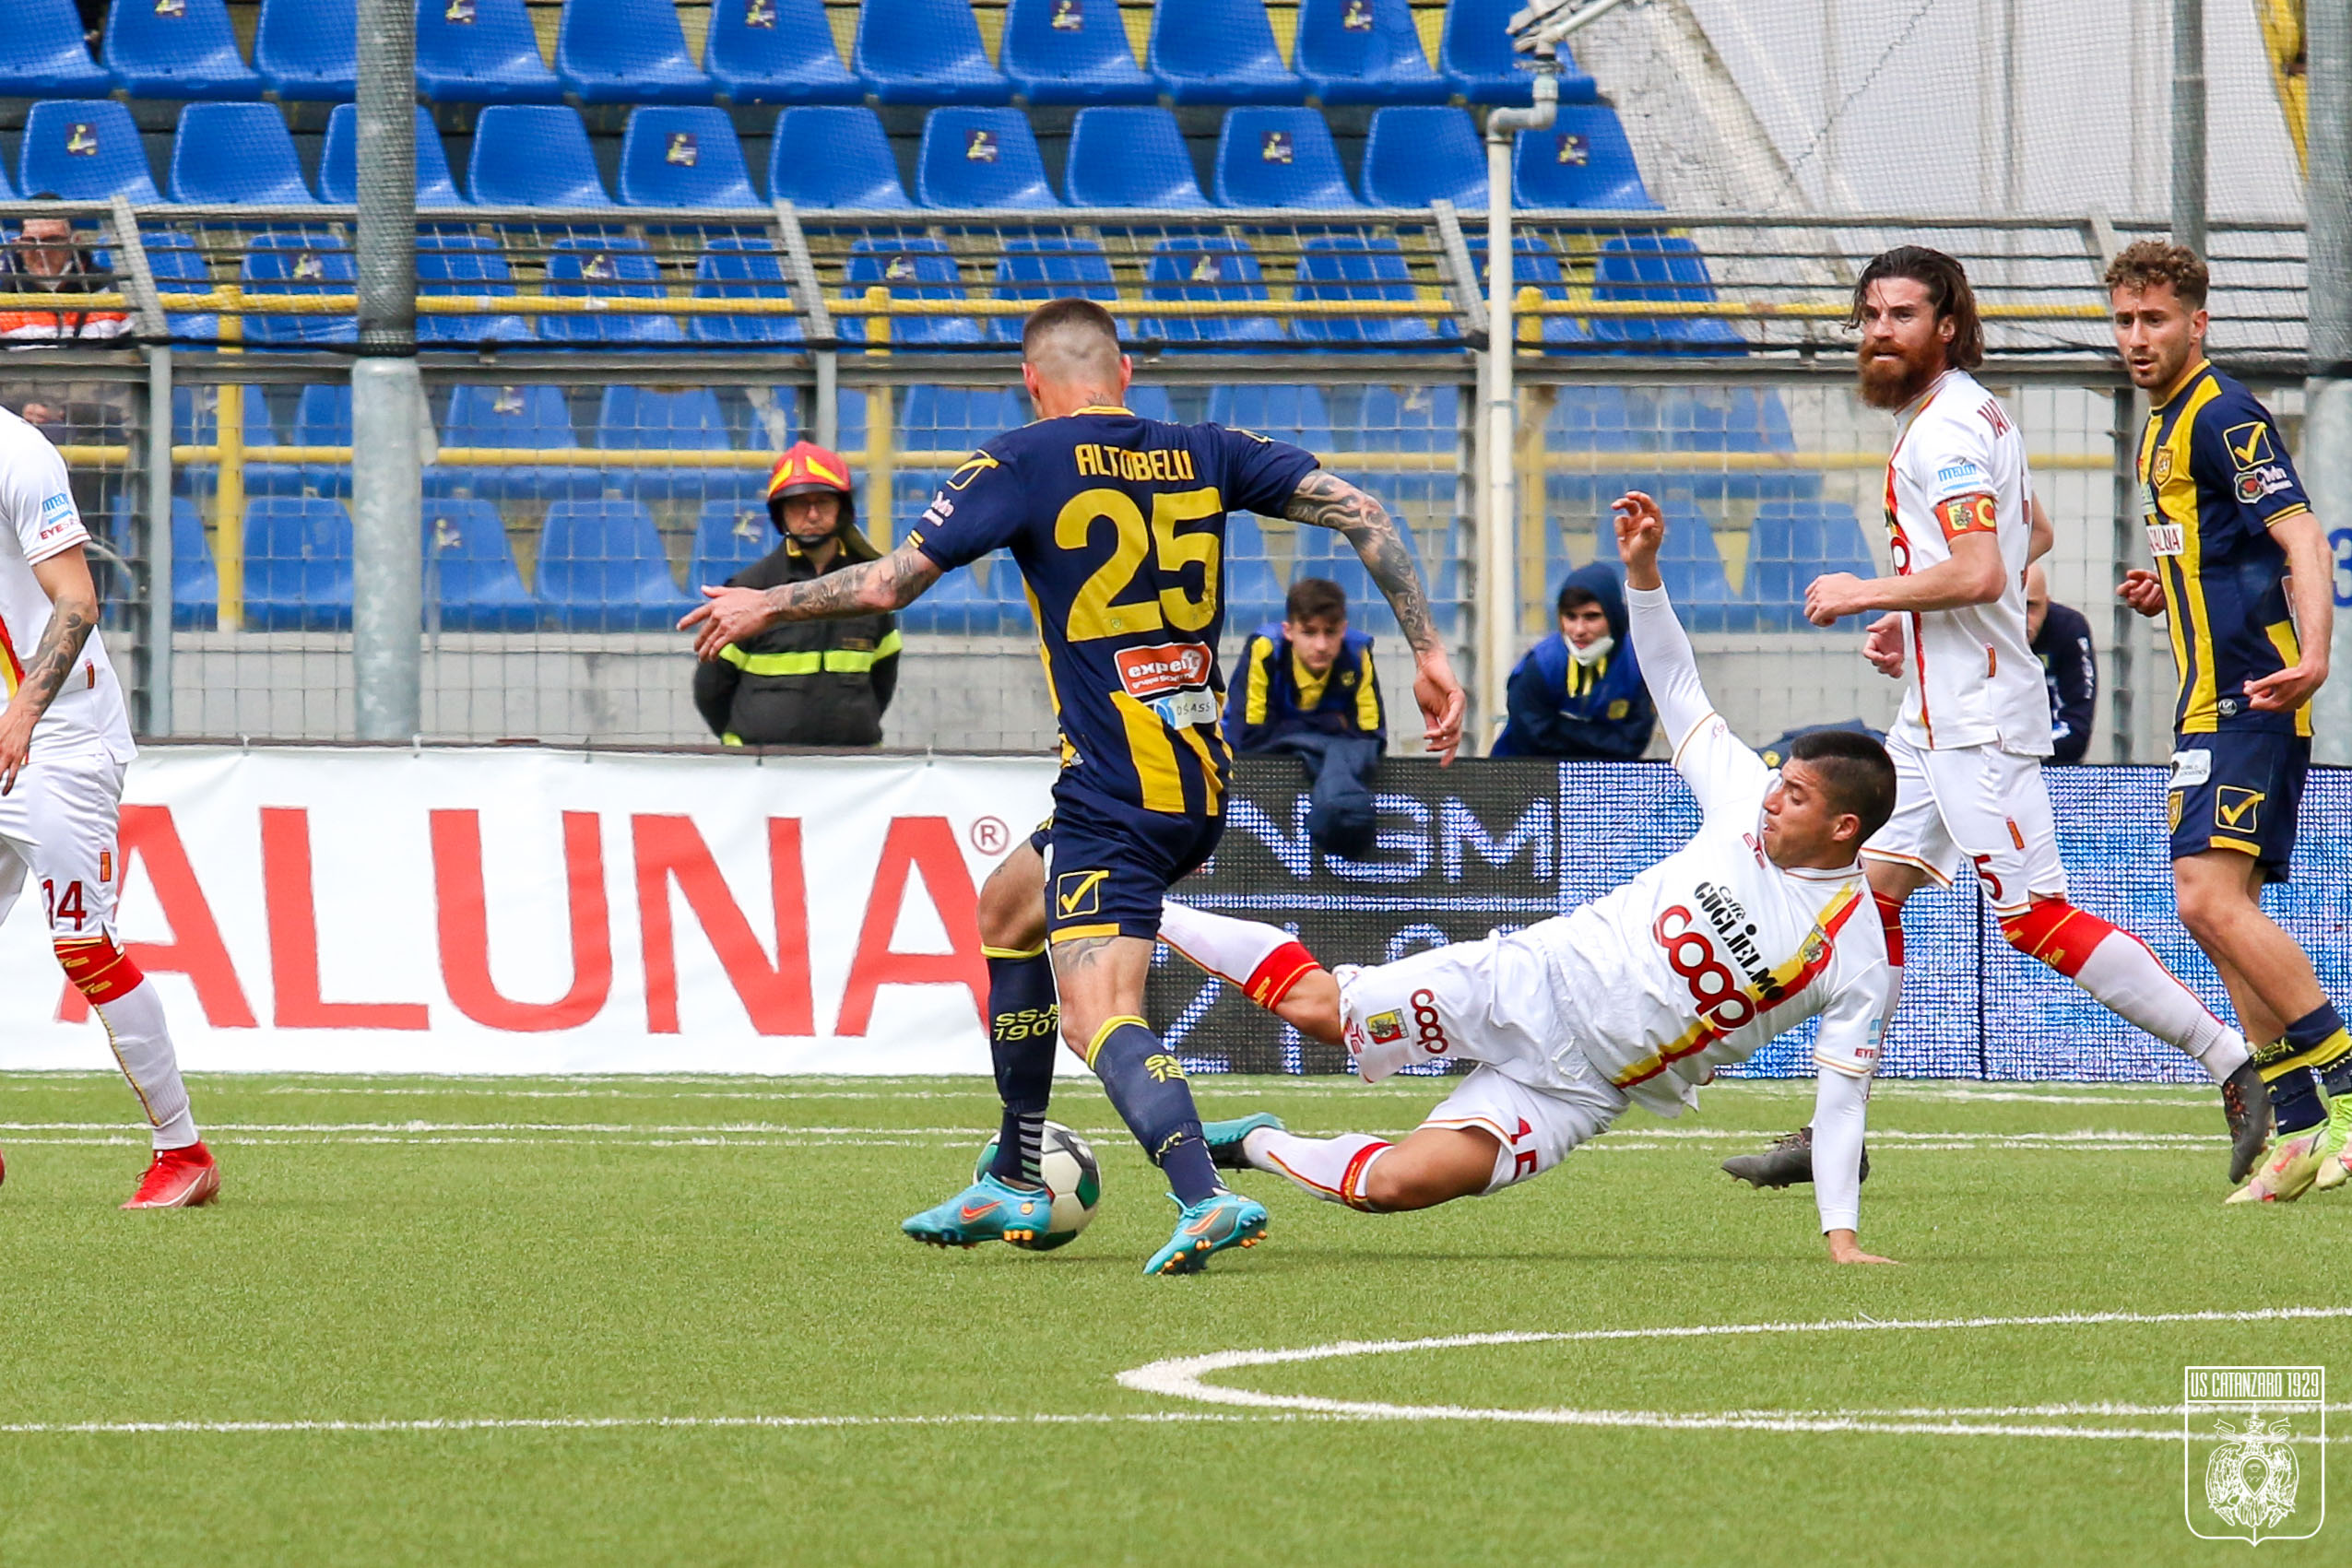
[1973, 806]
[1491, 1002]
[58, 833]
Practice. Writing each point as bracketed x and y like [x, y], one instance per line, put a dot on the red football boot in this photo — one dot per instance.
[179, 1178]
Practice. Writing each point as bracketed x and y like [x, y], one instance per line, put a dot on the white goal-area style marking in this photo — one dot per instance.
[1185, 1378]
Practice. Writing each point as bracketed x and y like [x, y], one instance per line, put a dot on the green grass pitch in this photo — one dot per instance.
[603, 1286]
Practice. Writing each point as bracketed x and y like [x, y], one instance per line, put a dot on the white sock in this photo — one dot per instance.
[1229, 948]
[2134, 984]
[142, 1042]
[1333, 1169]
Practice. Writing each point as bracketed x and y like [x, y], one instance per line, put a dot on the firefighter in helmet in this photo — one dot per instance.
[804, 682]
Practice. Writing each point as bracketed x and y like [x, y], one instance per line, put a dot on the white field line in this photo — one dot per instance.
[1184, 1377]
[604, 1423]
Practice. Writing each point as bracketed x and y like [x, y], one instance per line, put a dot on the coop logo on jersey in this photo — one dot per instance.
[1429, 1030]
[2253, 1461]
[1162, 668]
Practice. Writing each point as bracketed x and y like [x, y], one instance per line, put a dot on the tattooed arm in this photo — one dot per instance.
[733, 613]
[73, 599]
[1328, 502]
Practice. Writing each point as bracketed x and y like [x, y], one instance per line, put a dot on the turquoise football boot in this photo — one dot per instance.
[1220, 1221]
[1225, 1138]
[988, 1210]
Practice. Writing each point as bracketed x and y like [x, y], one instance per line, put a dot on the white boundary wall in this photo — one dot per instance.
[502, 911]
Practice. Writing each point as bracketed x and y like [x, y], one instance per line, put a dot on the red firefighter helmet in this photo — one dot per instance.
[807, 469]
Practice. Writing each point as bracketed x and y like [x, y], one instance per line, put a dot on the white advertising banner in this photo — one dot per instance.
[529, 911]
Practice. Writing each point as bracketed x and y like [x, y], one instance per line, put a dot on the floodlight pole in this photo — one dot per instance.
[2327, 407]
[1498, 524]
[387, 393]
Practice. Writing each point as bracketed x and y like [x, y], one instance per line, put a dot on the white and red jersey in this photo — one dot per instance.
[1959, 467]
[1705, 957]
[38, 510]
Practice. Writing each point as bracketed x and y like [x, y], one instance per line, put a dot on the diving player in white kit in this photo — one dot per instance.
[64, 742]
[1764, 919]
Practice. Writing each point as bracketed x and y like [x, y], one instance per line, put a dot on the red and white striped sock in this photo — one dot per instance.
[2121, 972]
[1333, 1169]
[1264, 961]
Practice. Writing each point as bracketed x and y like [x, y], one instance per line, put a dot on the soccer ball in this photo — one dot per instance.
[1066, 1163]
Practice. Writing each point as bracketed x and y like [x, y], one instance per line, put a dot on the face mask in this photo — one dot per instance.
[1594, 652]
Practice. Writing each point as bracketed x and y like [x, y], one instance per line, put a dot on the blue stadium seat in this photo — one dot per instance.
[322, 417]
[980, 157]
[466, 264]
[471, 581]
[1253, 588]
[176, 49]
[1660, 267]
[195, 580]
[1693, 568]
[1534, 264]
[1410, 418]
[639, 419]
[982, 600]
[299, 263]
[1220, 51]
[777, 51]
[8, 191]
[236, 153]
[728, 537]
[179, 267]
[339, 164]
[1584, 160]
[1295, 414]
[601, 569]
[84, 149]
[833, 158]
[308, 51]
[957, 419]
[913, 268]
[1206, 267]
[1413, 157]
[298, 565]
[1598, 419]
[739, 268]
[528, 418]
[1793, 542]
[1421, 418]
[627, 51]
[683, 157]
[1279, 158]
[529, 155]
[1054, 267]
[196, 421]
[1151, 402]
[42, 55]
[925, 52]
[1129, 158]
[1474, 51]
[261, 430]
[1731, 419]
[1364, 51]
[1062, 52]
[481, 51]
[617, 269]
[1351, 267]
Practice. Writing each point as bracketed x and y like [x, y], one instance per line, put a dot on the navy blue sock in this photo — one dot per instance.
[1147, 1087]
[1022, 1022]
[2295, 1103]
[2319, 1037]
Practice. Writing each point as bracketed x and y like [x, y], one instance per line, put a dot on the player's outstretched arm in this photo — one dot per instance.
[1845, 1055]
[1328, 502]
[733, 613]
[73, 600]
[1974, 576]
[1660, 646]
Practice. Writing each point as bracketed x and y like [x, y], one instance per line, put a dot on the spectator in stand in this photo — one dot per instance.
[1306, 688]
[804, 682]
[43, 258]
[2060, 639]
[1578, 693]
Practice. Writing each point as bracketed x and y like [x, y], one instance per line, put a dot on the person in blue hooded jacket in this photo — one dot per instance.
[1578, 694]
[1306, 688]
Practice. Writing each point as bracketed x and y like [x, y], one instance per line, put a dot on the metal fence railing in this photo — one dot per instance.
[585, 473]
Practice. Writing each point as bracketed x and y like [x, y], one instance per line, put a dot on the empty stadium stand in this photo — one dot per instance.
[834, 156]
[84, 149]
[230, 154]
[777, 51]
[308, 50]
[176, 49]
[683, 157]
[42, 55]
[339, 164]
[980, 157]
[481, 51]
[1220, 51]
[1279, 157]
[1364, 51]
[627, 51]
[1129, 157]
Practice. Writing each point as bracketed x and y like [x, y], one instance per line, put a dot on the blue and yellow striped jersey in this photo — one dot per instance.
[2214, 477]
[1118, 523]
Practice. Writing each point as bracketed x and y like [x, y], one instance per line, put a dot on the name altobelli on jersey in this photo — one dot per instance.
[1165, 465]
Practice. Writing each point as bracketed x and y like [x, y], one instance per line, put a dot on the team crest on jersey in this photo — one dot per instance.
[2162, 470]
[1385, 1028]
